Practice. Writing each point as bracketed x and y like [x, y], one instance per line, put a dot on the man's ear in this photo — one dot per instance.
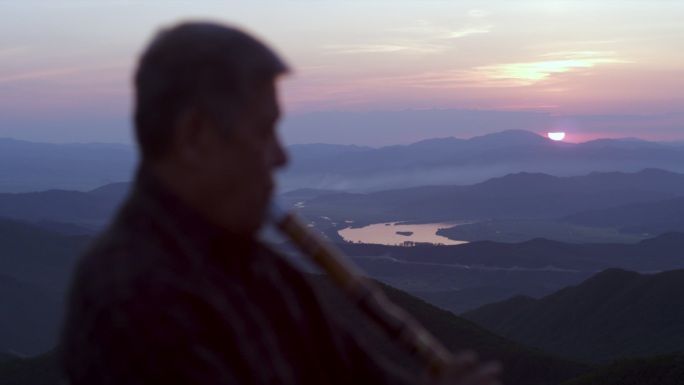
[194, 137]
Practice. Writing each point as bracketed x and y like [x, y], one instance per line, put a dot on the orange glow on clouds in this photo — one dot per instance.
[530, 73]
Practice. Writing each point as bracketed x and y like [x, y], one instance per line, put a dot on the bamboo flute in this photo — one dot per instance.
[396, 322]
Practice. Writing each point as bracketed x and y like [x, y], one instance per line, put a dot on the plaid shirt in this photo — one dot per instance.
[165, 297]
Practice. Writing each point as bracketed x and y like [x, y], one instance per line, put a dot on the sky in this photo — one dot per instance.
[367, 72]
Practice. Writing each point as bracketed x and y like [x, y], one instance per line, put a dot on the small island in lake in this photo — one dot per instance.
[406, 233]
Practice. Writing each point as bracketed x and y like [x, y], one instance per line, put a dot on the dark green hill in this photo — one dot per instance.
[35, 265]
[522, 365]
[614, 314]
[29, 317]
[39, 370]
[463, 277]
[37, 256]
[5, 356]
[660, 370]
[636, 218]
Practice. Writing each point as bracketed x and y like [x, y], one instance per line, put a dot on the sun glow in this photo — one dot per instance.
[530, 73]
[556, 135]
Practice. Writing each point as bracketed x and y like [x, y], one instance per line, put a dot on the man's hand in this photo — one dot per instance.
[467, 370]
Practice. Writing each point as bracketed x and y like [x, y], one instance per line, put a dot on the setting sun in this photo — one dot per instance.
[556, 135]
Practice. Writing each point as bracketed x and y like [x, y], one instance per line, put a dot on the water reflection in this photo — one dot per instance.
[395, 233]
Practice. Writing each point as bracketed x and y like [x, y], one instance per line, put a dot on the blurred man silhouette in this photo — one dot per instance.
[178, 290]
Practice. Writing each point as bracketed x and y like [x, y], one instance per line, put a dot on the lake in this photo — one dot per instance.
[387, 234]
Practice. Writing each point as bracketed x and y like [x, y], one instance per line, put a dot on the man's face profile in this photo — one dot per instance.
[205, 118]
[241, 159]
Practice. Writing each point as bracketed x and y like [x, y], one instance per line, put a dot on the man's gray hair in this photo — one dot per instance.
[210, 67]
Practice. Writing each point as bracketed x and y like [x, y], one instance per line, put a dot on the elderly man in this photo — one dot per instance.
[178, 290]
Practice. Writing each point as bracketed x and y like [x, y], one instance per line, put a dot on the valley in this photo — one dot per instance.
[514, 254]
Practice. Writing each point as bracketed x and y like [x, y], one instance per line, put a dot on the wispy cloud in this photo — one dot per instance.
[57, 72]
[449, 79]
[420, 37]
[507, 75]
[529, 73]
[31, 75]
[430, 30]
[409, 47]
[470, 31]
[578, 54]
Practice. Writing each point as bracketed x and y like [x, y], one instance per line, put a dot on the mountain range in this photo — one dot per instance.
[29, 166]
[524, 366]
[614, 314]
[463, 277]
[70, 212]
[574, 298]
[514, 196]
[521, 195]
[36, 265]
[452, 161]
[457, 278]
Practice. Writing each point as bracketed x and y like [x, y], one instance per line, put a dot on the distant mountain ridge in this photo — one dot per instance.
[527, 195]
[89, 210]
[30, 166]
[521, 195]
[614, 314]
[467, 161]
